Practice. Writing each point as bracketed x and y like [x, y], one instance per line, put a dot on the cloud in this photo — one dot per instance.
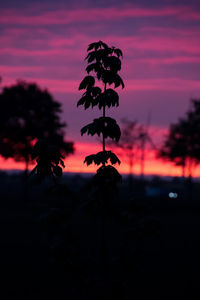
[167, 60]
[10, 70]
[61, 17]
[156, 84]
[136, 46]
[164, 84]
[54, 85]
[157, 44]
[40, 52]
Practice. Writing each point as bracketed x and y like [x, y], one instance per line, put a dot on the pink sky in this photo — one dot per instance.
[46, 43]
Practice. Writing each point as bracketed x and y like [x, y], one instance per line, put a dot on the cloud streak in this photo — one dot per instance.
[157, 84]
[61, 17]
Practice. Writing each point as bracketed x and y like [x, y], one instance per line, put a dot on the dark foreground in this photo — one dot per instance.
[62, 247]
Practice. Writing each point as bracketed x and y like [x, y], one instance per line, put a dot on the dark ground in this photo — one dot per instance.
[146, 249]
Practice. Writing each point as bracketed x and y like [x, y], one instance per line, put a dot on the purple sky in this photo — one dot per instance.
[46, 42]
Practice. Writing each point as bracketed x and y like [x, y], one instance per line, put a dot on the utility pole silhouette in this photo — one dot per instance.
[129, 144]
[144, 138]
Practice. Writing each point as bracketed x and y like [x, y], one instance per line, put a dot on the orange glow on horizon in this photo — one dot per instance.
[75, 163]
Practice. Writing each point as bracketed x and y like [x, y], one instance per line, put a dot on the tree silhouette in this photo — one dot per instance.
[128, 143]
[133, 140]
[29, 113]
[182, 144]
[174, 147]
[49, 160]
[104, 63]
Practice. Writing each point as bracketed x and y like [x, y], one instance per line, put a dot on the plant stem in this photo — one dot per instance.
[104, 114]
[26, 179]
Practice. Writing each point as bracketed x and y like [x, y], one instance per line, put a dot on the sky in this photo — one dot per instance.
[46, 42]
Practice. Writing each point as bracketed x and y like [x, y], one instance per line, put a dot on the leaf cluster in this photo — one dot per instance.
[95, 97]
[107, 76]
[49, 160]
[105, 62]
[103, 125]
[102, 158]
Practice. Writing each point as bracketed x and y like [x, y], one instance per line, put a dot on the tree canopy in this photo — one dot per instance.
[29, 113]
[182, 143]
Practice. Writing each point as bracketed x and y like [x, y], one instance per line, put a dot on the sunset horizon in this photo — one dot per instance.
[46, 44]
[100, 149]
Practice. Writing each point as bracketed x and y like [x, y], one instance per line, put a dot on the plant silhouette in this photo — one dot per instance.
[29, 114]
[128, 143]
[49, 160]
[104, 63]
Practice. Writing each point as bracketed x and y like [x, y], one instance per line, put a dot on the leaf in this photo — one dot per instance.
[108, 76]
[57, 171]
[91, 56]
[89, 98]
[104, 99]
[81, 101]
[84, 129]
[118, 81]
[87, 82]
[112, 129]
[91, 46]
[97, 45]
[92, 128]
[102, 54]
[91, 67]
[111, 97]
[96, 67]
[89, 159]
[87, 104]
[97, 55]
[113, 63]
[95, 91]
[104, 45]
[62, 163]
[114, 159]
[33, 172]
[104, 125]
[94, 102]
[118, 52]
